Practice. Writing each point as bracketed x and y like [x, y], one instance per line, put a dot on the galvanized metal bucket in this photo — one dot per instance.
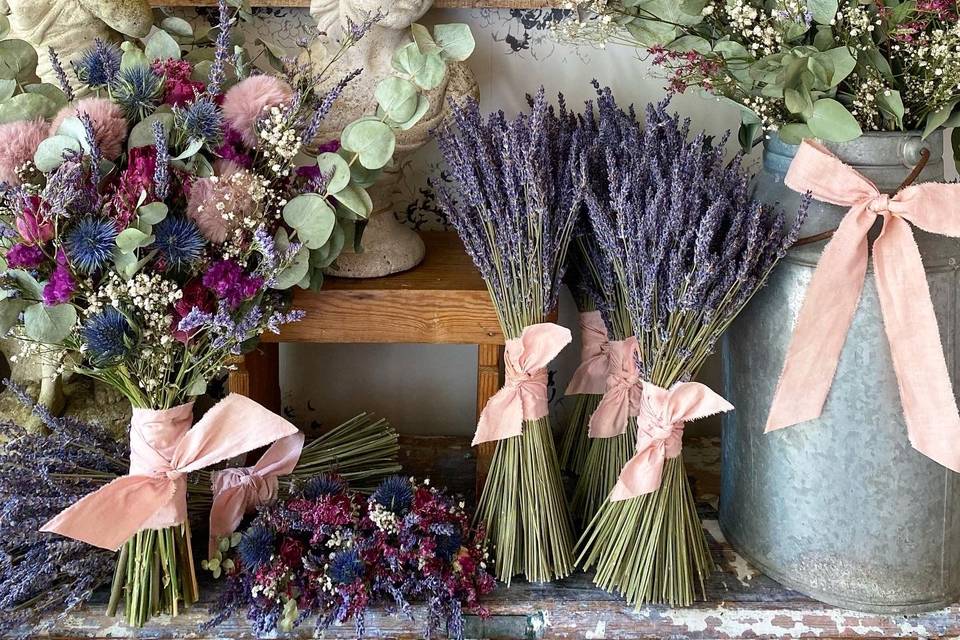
[842, 508]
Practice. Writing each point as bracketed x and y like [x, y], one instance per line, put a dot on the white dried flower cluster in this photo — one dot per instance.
[769, 110]
[865, 107]
[856, 20]
[279, 142]
[268, 589]
[931, 68]
[591, 22]
[759, 32]
[384, 520]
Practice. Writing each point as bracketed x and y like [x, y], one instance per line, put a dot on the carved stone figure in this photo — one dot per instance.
[388, 246]
[70, 26]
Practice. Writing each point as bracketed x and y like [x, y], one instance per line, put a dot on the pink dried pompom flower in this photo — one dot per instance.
[109, 125]
[19, 143]
[246, 101]
[219, 204]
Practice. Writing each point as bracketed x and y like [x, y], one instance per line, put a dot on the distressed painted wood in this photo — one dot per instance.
[442, 4]
[741, 603]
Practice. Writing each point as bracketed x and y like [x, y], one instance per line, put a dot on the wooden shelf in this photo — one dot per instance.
[442, 301]
[741, 603]
[440, 4]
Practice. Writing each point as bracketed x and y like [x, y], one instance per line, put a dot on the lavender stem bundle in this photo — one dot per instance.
[687, 247]
[515, 205]
[574, 442]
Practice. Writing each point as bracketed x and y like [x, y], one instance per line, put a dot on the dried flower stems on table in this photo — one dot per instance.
[688, 248]
[514, 206]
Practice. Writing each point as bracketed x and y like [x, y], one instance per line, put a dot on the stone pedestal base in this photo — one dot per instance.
[387, 247]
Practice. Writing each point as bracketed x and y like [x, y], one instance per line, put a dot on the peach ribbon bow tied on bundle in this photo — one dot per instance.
[660, 423]
[163, 450]
[238, 491]
[622, 391]
[591, 375]
[929, 405]
[524, 393]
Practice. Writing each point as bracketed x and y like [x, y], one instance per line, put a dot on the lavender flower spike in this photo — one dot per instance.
[61, 75]
[221, 52]
[161, 173]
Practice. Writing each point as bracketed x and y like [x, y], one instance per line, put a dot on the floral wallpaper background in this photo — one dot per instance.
[431, 389]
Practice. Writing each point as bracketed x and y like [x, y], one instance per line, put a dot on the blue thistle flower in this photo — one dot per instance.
[137, 91]
[178, 241]
[346, 566]
[108, 335]
[90, 244]
[201, 120]
[323, 485]
[256, 546]
[395, 494]
[98, 65]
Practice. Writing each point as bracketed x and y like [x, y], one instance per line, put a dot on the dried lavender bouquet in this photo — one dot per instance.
[688, 247]
[514, 206]
[44, 577]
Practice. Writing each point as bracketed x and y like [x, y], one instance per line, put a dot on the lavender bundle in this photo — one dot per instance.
[603, 457]
[687, 247]
[516, 202]
[42, 574]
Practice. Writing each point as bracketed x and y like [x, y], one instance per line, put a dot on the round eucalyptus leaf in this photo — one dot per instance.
[939, 117]
[823, 11]
[455, 41]
[690, 43]
[651, 32]
[408, 59]
[798, 101]
[324, 256]
[10, 310]
[312, 218]
[50, 152]
[18, 61]
[891, 104]
[372, 140]
[26, 106]
[177, 26]
[842, 64]
[49, 325]
[7, 88]
[794, 133]
[425, 42]
[50, 91]
[152, 213]
[360, 175]
[422, 105]
[432, 73]
[4, 26]
[161, 46]
[832, 122]
[295, 271]
[397, 97]
[336, 169]
[132, 238]
[142, 133]
[356, 201]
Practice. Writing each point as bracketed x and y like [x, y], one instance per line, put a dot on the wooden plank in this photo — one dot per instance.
[443, 301]
[440, 4]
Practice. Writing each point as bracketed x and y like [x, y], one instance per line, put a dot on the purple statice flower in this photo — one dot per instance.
[69, 189]
[230, 283]
[161, 171]
[43, 577]
[264, 243]
[221, 50]
[25, 256]
[60, 74]
[59, 289]
[279, 318]
[195, 320]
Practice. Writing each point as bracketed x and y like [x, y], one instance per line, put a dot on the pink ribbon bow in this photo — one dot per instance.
[621, 400]
[237, 491]
[660, 433]
[524, 393]
[591, 375]
[163, 450]
[929, 405]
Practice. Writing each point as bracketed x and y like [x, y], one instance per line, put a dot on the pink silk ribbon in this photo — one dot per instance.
[660, 425]
[237, 491]
[163, 450]
[623, 389]
[926, 396]
[591, 375]
[524, 392]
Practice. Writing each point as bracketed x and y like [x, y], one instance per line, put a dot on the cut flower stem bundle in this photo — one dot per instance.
[686, 248]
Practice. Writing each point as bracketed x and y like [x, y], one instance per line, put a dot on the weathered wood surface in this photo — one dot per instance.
[443, 301]
[741, 602]
[442, 4]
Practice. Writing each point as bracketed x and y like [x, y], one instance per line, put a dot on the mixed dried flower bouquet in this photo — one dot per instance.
[328, 552]
[804, 68]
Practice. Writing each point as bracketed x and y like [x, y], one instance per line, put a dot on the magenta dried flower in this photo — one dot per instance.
[61, 286]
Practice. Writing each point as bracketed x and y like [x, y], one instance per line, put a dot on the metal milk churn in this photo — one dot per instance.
[842, 508]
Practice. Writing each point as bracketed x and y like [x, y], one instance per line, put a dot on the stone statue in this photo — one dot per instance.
[388, 246]
[70, 26]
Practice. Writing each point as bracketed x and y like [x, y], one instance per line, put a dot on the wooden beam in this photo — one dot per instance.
[440, 4]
